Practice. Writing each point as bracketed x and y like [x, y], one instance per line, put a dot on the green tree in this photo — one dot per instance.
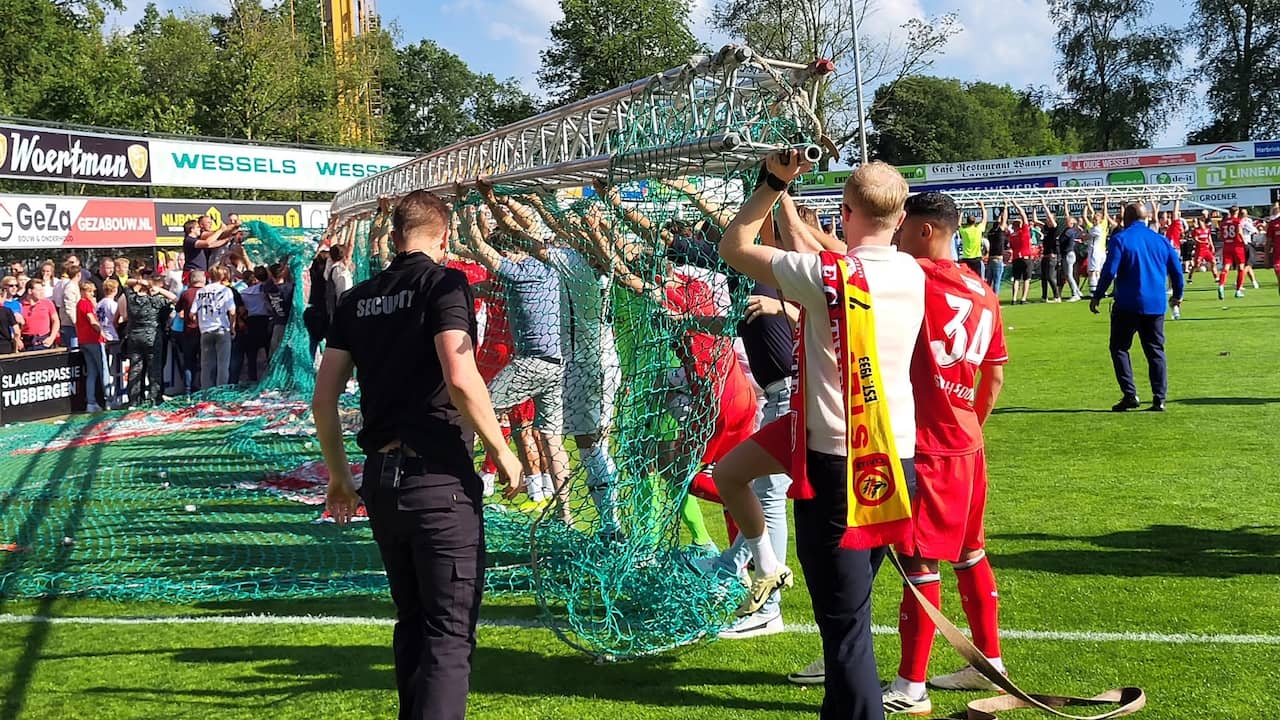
[805, 30]
[1116, 71]
[1239, 46]
[924, 119]
[602, 44]
[174, 57]
[434, 99]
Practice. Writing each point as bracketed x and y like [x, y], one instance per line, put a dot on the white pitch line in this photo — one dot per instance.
[799, 629]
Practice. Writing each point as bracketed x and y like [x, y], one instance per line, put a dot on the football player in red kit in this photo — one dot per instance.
[1273, 241]
[956, 374]
[1233, 253]
[1203, 236]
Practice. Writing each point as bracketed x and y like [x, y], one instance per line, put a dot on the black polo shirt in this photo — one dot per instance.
[768, 342]
[1049, 239]
[389, 323]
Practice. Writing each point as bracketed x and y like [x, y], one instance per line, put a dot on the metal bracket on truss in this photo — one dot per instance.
[1031, 198]
[713, 114]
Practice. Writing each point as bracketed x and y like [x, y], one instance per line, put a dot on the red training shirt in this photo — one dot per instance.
[86, 333]
[962, 332]
[1020, 242]
[1273, 234]
[1229, 229]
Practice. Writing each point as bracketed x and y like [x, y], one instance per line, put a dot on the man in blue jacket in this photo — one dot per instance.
[1139, 261]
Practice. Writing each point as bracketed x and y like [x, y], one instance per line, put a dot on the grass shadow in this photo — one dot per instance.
[1158, 550]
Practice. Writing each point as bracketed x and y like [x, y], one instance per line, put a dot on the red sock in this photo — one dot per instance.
[1222, 277]
[916, 628]
[1239, 279]
[981, 604]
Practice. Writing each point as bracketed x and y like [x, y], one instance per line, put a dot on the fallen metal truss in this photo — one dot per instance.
[1032, 199]
[716, 114]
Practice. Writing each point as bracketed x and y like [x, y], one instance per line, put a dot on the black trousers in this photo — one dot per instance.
[840, 587]
[1150, 330]
[146, 359]
[1050, 285]
[430, 534]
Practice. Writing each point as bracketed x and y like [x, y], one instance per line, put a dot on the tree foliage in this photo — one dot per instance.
[1239, 48]
[434, 99]
[924, 119]
[602, 44]
[804, 30]
[1117, 72]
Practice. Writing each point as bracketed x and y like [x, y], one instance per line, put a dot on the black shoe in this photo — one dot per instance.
[1156, 406]
[1129, 403]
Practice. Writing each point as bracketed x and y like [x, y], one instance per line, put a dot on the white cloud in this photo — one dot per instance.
[1003, 42]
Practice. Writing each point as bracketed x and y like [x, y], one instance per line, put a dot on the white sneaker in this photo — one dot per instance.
[487, 480]
[966, 678]
[1239, 293]
[896, 701]
[757, 625]
[1075, 298]
[815, 673]
[1256, 286]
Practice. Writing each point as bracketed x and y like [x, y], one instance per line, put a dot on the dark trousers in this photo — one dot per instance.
[430, 534]
[317, 324]
[840, 587]
[975, 264]
[189, 344]
[146, 358]
[257, 337]
[1050, 285]
[1150, 330]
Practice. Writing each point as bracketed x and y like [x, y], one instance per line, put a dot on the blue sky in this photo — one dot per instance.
[1004, 41]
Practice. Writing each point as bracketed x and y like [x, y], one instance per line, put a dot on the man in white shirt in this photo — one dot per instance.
[216, 315]
[1247, 230]
[839, 580]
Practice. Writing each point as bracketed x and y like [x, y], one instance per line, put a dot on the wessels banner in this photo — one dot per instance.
[38, 153]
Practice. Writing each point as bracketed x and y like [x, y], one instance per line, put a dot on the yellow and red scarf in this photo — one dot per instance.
[879, 508]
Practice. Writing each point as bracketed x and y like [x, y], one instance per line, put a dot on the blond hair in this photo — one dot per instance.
[109, 287]
[878, 191]
[88, 288]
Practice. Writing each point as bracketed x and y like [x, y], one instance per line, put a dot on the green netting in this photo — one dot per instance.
[213, 498]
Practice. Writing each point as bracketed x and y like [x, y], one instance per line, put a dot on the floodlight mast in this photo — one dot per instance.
[710, 116]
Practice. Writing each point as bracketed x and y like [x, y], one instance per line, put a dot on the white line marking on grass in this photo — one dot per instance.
[799, 629]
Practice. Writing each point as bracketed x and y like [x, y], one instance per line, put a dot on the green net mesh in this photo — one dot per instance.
[218, 496]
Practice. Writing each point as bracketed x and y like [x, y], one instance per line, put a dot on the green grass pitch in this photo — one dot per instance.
[1099, 526]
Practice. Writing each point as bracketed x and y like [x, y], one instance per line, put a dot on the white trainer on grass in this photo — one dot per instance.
[815, 673]
[896, 701]
[966, 678]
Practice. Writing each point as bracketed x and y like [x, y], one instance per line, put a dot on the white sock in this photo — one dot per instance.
[998, 664]
[766, 562]
[533, 486]
[914, 690]
[548, 486]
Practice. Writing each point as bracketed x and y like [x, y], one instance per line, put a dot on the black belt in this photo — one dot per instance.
[553, 361]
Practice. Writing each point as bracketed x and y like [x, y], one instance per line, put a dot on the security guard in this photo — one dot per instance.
[410, 331]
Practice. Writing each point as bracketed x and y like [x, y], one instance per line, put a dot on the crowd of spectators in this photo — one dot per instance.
[195, 319]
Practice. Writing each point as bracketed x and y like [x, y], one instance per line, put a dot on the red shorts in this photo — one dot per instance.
[522, 414]
[950, 500]
[1233, 255]
[491, 358]
[733, 426]
[1206, 255]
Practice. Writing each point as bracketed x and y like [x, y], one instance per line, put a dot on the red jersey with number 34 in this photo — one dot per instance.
[961, 333]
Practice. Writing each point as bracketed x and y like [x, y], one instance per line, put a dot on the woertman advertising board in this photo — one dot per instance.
[32, 152]
[55, 221]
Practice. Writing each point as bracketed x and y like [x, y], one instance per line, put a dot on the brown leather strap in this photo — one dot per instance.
[1129, 700]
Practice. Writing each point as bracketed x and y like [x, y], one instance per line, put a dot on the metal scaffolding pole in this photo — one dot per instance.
[715, 114]
[1031, 198]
